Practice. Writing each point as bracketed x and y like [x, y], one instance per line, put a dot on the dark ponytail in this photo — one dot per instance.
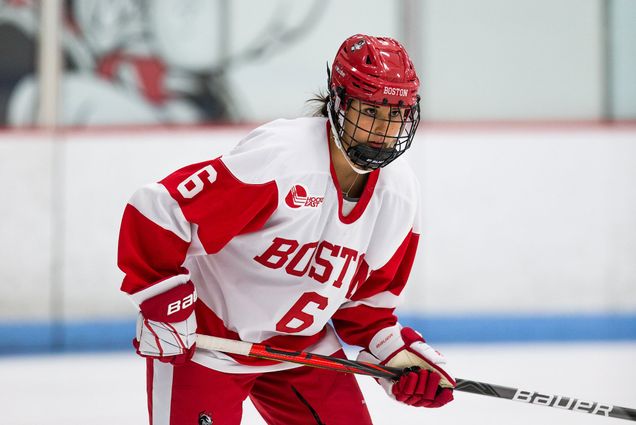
[321, 101]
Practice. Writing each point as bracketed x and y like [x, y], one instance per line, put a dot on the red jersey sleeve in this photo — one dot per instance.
[371, 307]
[195, 210]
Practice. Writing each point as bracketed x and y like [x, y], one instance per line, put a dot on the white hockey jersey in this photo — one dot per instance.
[261, 233]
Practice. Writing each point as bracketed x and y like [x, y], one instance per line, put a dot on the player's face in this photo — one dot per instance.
[374, 125]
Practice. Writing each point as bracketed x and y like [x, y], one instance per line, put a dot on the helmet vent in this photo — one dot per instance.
[367, 60]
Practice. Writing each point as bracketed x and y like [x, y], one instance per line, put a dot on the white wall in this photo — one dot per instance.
[527, 221]
[25, 225]
[514, 220]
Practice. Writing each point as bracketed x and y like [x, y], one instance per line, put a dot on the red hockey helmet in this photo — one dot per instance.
[374, 71]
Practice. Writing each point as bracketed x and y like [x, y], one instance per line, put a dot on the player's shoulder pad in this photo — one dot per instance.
[279, 148]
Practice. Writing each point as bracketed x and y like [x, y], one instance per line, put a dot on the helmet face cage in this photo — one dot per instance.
[380, 140]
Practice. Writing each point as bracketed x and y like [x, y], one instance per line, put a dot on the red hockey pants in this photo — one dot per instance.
[192, 394]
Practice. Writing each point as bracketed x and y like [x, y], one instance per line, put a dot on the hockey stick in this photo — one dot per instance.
[379, 371]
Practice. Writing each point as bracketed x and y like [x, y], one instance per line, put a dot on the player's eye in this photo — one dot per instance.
[370, 111]
[396, 113]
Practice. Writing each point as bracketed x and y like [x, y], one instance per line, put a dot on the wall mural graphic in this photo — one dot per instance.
[130, 61]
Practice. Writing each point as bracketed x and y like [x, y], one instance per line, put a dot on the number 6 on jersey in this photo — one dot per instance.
[193, 185]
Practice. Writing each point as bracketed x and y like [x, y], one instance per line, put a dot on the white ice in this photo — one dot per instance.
[100, 389]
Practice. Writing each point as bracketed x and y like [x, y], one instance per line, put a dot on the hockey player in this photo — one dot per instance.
[306, 230]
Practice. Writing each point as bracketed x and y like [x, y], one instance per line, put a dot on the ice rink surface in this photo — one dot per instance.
[109, 388]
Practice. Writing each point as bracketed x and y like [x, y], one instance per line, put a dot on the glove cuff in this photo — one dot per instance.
[389, 341]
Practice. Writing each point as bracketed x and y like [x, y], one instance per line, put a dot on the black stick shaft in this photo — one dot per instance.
[548, 400]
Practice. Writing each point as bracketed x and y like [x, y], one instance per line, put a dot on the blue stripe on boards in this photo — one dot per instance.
[109, 335]
[539, 328]
[68, 336]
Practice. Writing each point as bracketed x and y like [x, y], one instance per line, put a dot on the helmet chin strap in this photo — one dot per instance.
[353, 166]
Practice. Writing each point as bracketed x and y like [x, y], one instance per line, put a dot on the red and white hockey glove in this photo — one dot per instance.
[166, 325]
[430, 386]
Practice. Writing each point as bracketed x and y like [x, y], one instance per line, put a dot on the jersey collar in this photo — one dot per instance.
[367, 192]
